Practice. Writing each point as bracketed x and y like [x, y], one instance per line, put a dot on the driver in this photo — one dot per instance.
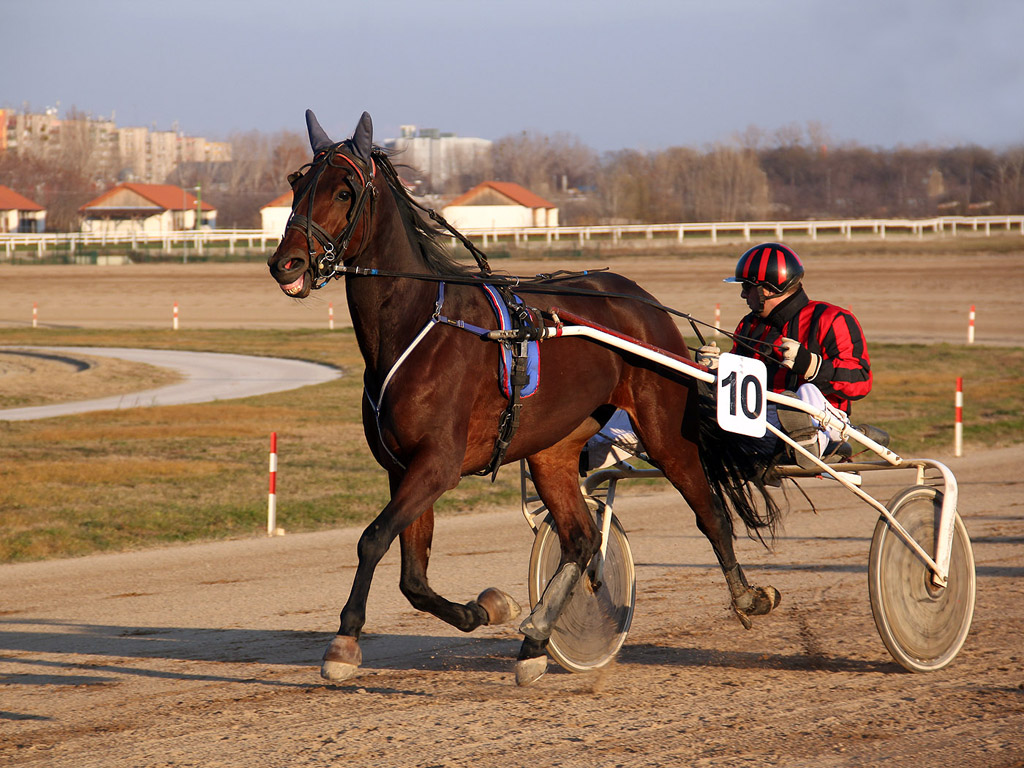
[814, 350]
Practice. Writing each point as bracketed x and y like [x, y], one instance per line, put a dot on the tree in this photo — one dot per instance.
[257, 174]
[547, 165]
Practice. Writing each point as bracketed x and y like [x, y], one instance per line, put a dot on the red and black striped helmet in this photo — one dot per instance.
[772, 265]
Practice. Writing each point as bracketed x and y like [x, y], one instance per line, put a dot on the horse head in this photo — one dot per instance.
[332, 203]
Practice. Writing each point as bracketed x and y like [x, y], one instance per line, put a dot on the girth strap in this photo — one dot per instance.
[508, 422]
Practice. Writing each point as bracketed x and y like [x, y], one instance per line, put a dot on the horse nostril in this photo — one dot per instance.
[289, 264]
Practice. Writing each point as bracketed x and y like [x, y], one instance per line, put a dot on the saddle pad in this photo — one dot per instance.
[532, 349]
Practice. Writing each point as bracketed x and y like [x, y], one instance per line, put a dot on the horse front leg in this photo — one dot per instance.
[416, 491]
[492, 606]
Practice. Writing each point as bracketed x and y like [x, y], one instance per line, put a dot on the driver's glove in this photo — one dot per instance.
[708, 356]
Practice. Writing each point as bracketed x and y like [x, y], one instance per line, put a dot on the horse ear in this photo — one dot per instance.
[318, 138]
[362, 139]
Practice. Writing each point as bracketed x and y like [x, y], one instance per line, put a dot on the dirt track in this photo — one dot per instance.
[896, 299]
[207, 655]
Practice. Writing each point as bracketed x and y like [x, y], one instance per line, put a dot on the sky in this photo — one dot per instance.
[636, 74]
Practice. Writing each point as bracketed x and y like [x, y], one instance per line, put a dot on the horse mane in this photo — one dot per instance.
[425, 236]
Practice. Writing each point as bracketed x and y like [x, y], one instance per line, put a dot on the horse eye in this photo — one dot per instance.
[344, 195]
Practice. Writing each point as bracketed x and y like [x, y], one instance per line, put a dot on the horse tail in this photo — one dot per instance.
[736, 472]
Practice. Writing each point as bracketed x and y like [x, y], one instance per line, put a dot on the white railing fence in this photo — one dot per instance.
[747, 230]
[179, 242]
[230, 241]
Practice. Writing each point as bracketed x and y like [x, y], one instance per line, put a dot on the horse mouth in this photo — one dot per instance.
[299, 288]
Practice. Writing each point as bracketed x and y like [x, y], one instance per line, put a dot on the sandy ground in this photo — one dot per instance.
[207, 655]
[895, 300]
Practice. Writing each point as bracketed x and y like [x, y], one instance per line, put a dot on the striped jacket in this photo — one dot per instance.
[824, 329]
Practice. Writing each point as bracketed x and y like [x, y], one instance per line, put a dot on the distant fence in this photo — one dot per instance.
[779, 230]
[82, 246]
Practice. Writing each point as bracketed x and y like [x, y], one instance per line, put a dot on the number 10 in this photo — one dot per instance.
[749, 382]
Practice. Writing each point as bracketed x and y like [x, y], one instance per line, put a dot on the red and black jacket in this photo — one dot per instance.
[822, 328]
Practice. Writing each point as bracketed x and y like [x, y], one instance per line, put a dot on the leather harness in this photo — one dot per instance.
[331, 264]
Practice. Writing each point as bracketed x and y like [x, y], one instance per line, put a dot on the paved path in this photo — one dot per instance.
[208, 376]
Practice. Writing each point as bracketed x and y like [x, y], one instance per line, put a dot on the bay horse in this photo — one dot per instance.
[433, 402]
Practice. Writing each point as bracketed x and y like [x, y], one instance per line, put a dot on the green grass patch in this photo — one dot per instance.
[120, 480]
[914, 391]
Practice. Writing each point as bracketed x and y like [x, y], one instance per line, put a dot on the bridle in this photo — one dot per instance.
[334, 249]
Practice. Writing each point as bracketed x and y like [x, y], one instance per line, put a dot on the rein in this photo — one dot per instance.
[542, 284]
[331, 264]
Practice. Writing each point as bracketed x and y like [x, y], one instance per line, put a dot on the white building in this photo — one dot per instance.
[19, 214]
[274, 214]
[150, 208]
[438, 156]
[500, 204]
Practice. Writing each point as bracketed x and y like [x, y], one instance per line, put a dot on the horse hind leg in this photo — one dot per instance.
[554, 473]
[714, 522]
[673, 445]
[492, 606]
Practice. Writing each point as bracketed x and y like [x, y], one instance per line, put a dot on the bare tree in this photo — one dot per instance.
[257, 174]
[1010, 181]
[730, 186]
[547, 165]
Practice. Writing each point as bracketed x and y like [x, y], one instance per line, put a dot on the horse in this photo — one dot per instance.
[432, 400]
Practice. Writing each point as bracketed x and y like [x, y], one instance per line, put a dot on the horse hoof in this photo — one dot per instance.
[341, 659]
[500, 607]
[529, 671]
[337, 671]
[756, 601]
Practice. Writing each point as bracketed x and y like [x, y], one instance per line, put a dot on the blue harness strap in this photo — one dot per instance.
[505, 323]
[532, 349]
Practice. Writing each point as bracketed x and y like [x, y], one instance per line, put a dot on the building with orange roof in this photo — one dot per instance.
[499, 205]
[19, 214]
[274, 214]
[150, 208]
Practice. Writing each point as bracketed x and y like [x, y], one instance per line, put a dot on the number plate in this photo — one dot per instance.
[741, 395]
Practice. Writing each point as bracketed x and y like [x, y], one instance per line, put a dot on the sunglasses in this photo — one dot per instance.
[769, 290]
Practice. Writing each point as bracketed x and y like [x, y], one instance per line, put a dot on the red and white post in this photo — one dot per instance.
[174, 322]
[35, 314]
[970, 326]
[330, 316]
[958, 427]
[272, 496]
[718, 319]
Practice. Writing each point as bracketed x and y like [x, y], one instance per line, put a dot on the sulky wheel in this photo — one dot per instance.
[594, 623]
[923, 626]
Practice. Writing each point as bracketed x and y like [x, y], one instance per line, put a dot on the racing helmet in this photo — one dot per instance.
[772, 266]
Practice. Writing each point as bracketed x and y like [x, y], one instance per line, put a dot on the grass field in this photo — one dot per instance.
[136, 478]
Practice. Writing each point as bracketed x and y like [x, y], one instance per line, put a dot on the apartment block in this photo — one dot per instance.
[100, 149]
